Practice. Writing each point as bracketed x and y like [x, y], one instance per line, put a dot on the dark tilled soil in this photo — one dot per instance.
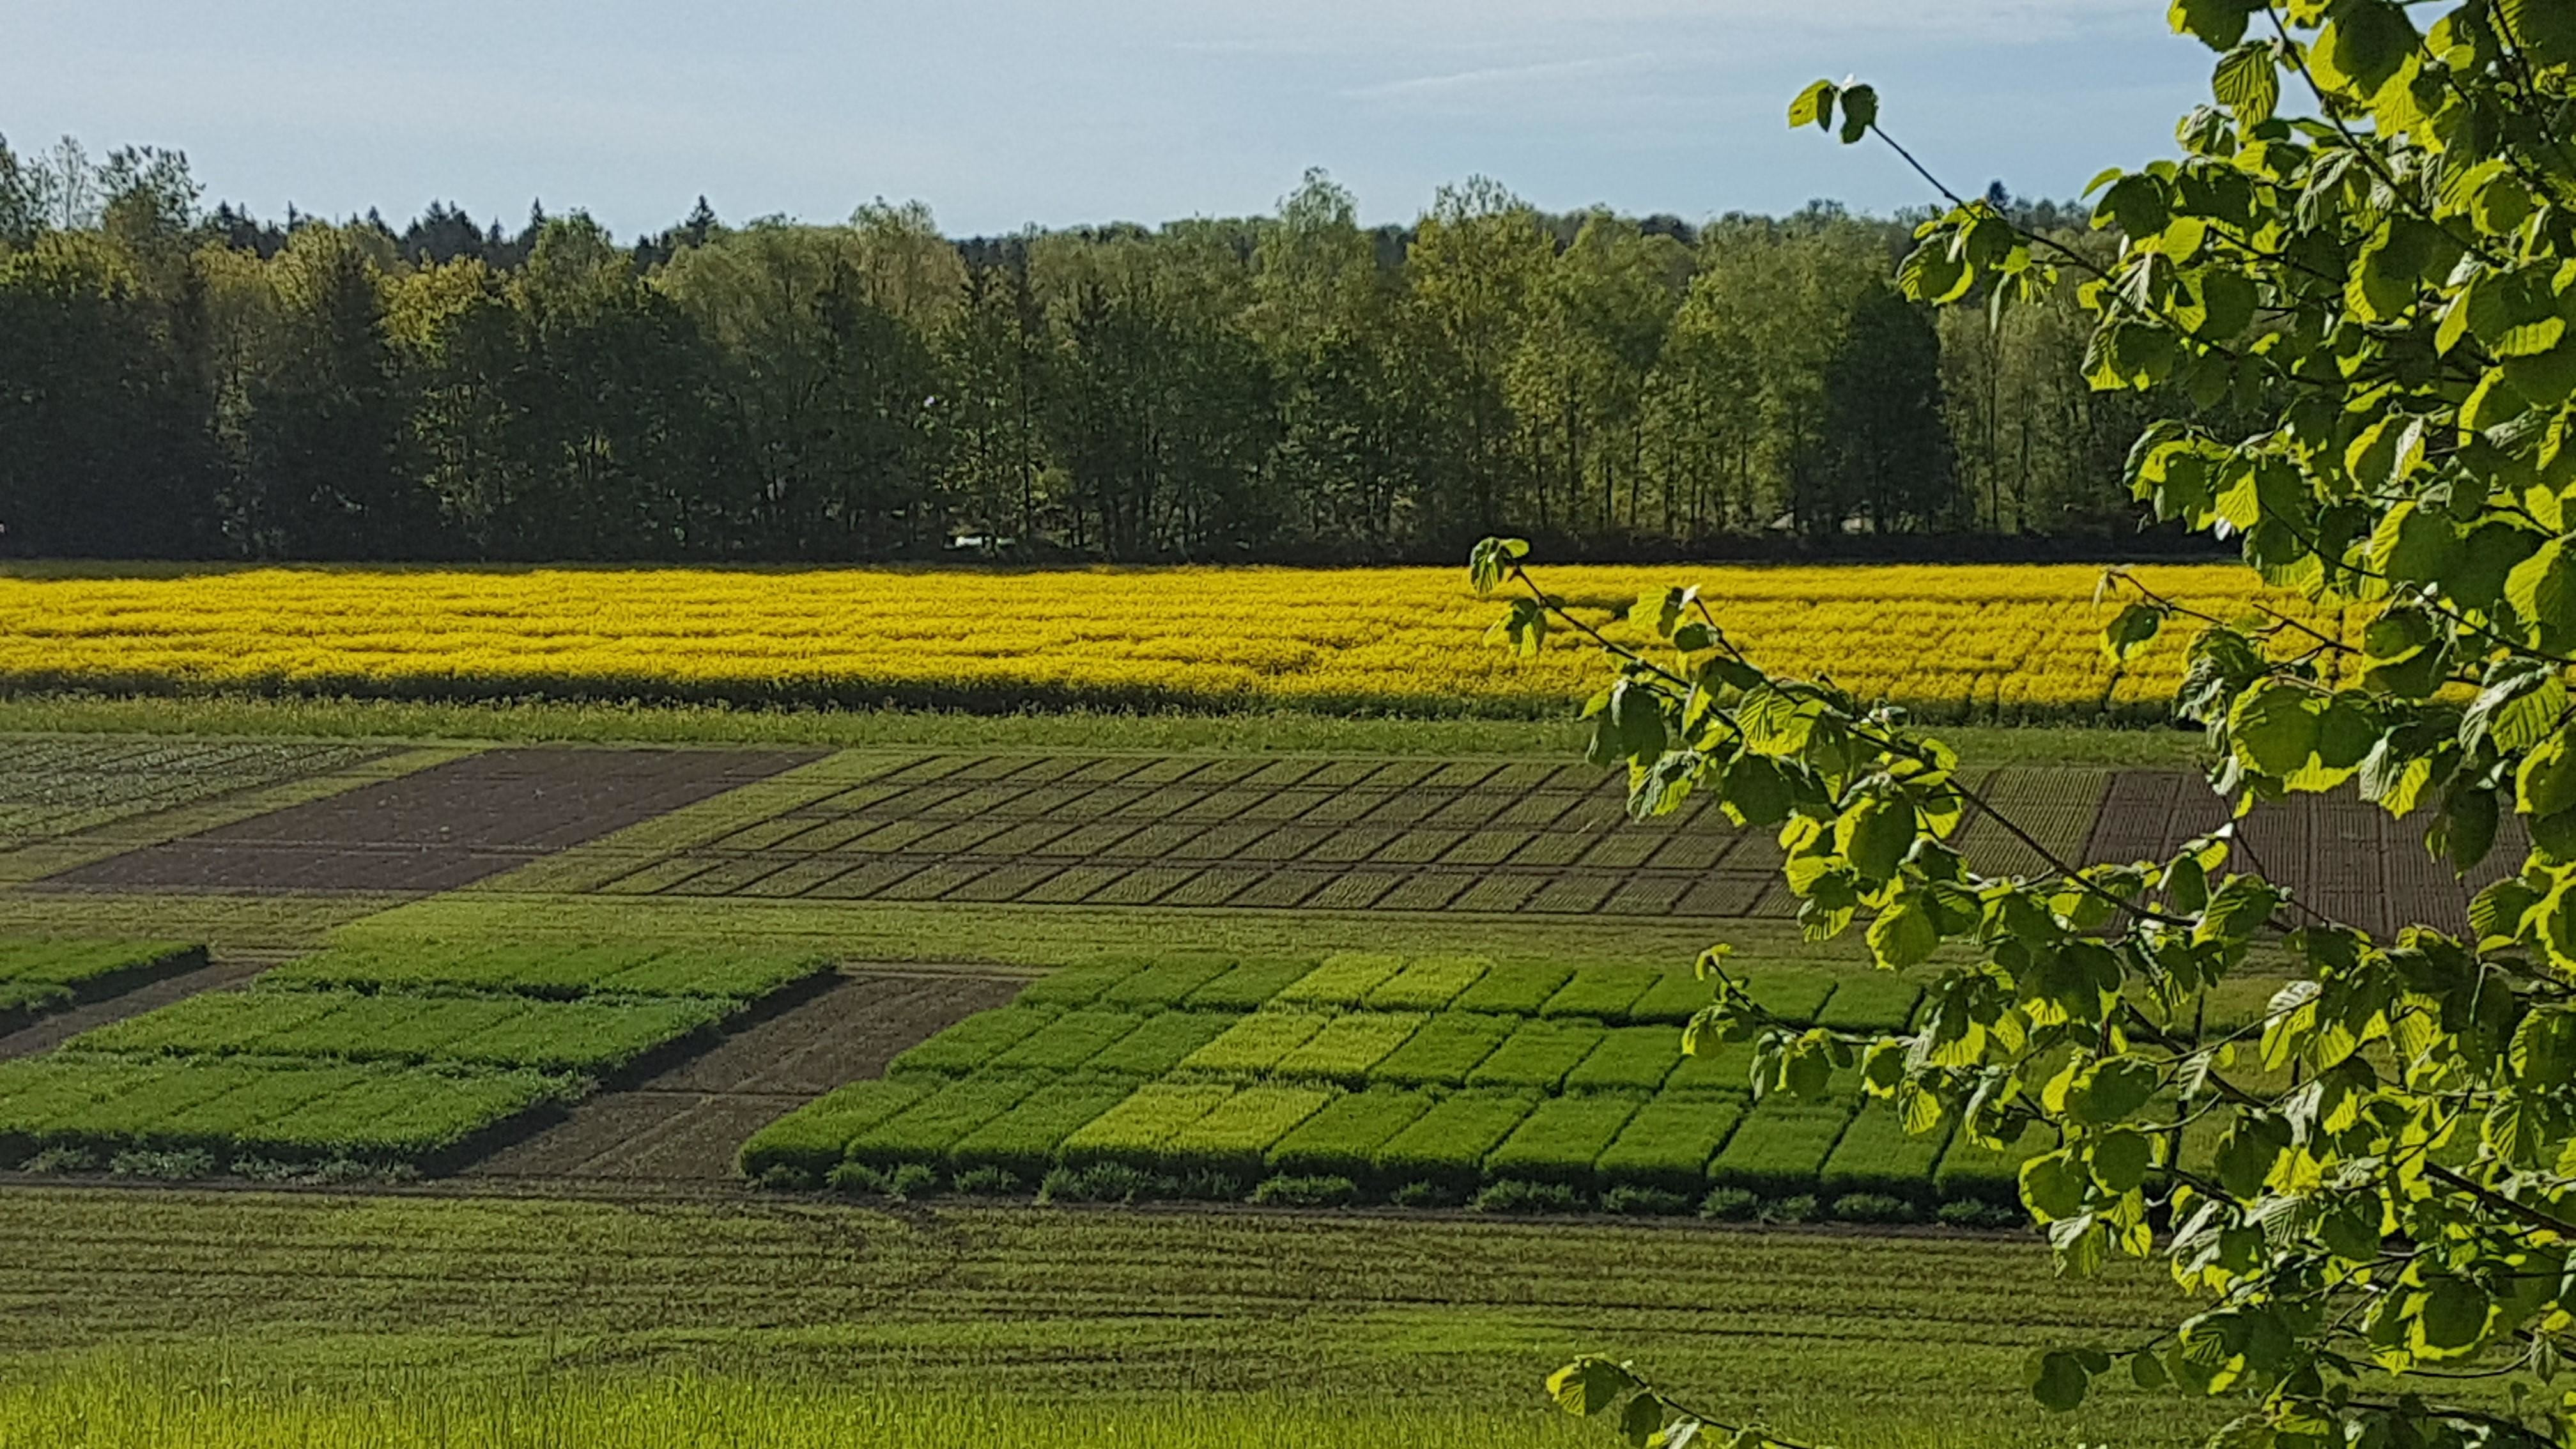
[439, 828]
[228, 971]
[687, 1123]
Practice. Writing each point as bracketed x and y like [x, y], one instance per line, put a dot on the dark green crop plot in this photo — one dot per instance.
[551, 972]
[926, 1130]
[1446, 1146]
[972, 1044]
[137, 1116]
[813, 1137]
[1631, 1058]
[594, 1038]
[1871, 1001]
[1349, 1045]
[1669, 1143]
[1024, 1140]
[1877, 1154]
[417, 1114]
[1780, 1147]
[1345, 979]
[1513, 989]
[267, 1096]
[1079, 985]
[1428, 983]
[1247, 986]
[1677, 995]
[363, 1028]
[1445, 1049]
[1792, 993]
[211, 1023]
[1342, 1139]
[1166, 984]
[1603, 993]
[1234, 1136]
[1137, 1130]
[1159, 1043]
[1562, 1137]
[1538, 1055]
[1718, 1067]
[1068, 1041]
[39, 977]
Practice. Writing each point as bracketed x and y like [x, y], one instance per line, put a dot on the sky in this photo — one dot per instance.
[1003, 113]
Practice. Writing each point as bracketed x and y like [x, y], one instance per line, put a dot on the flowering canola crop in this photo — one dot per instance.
[2001, 642]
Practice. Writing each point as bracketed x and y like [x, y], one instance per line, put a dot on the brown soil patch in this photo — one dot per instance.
[686, 1123]
[439, 828]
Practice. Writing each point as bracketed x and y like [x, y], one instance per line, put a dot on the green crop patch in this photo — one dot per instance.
[550, 972]
[1676, 996]
[1348, 1046]
[1024, 1140]
[1871, 1001]
[1160, 1043]
[591, 1038]
[419, 1115]
[1561, 1138]
[1670, 1141]
[1136, 1131]
[926, 1131]
[1345, 979]
[1254, 1044]
[972, 1044]
[584, 1036]
[1629, 1058]
[1603, 993]
[39, 977]
[363, 1028]
[209, 1023]
[1538, 1055]
[1780, 1147]
[1791, 993]
[1068, 1041]
[1167, 984]
[1514, 989]
[811, 1139]
[1235, 1136]
[1876, 1154]
[1717, 1067]
[1428, 983]
[1343, 1138]
[1247, 987]
[1078, 985]
[1447, 1145]
[1446, 1048]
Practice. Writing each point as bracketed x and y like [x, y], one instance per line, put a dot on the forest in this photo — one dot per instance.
[178, 381]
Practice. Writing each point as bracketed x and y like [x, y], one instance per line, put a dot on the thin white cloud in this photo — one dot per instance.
[1502, 77]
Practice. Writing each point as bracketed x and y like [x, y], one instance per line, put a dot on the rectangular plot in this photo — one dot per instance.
[1539, 1055]
[1141, 886]
[1876, 1154]
[1635, 1058]
[1106, 801]
[1214, 887]
[925, 1131]
[1024, 1140]
[1059, 804]
[1219, 806]
[1497, 893]
[1255, 1044]
[1622, 849]
[1005, 883]
[1079, 985]
[798, 877]
[1461, 775]
[1870, 1001]
[1404, 809]
[892, 836]
[1535, 811]
[1781, 1146]
[1225, 770]
[1471, 811]
[1560, 1138]
[1247, 986]
[1676, 996]
[1342, 1138]
[1283, 888]
[1670, 1142]
[1026, 839]
[1691, 850]
[956, 839]
[1160, 1043]
[1086, 842]
[1158, 804]
[1234, 1136]
[1971, 1172]
[1574, 894]
[1400, 774]
[928, 767]
[1073, 884]
[209, 1023]
[1279, 774]
[1165, 982]
[931, 882]
[1514, 988]
[1793, 993]
[1555, 849]
[1602, 992]
[1446, 1145]
[1218, 842]
[1343, 847]
[1428, 983]
[1279, 805]
[764, 834]
[1724, 894]
[1345, 978]
[1416, 847]
[1135, 1131]
[810, 1139]
[1488, 847]
[660, 876]
[589, 1037]
[1284, 842]
[971, 1045]
[1156, 842]
[725, 877]
[830, 834]
[867, 879]
[1336, 774]
[1068, 1041]
[1113, 768]
[1446, 1048]
[1648, 895]
[1349, 1045]
[1345, 807]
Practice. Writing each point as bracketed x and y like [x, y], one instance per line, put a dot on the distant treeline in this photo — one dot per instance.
[182, 383]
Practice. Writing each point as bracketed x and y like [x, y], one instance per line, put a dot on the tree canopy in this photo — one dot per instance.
[2366, 251]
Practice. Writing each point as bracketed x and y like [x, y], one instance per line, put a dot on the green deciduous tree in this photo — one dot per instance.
[2367, 249]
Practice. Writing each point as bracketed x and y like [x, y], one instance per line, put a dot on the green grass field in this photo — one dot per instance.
[250, 1319]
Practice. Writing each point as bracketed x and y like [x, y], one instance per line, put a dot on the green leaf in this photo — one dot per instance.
[2496, 913]
[1491, 560]
[1589, 1385]
[2544, 28]
[2546, 783]
[2246, 81]
[2120, 1159]
[2542, 589]
[1903, 935]
[2131, 631]
[2218, 24]
[1876, 834]
[1814, 106]
[1860, 112]
[2052, 1186]
[2453, 1315]
[2275, 727]
[2238, 909]
[2057, 1379]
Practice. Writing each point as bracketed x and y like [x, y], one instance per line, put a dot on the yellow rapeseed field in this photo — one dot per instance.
[1979, 642]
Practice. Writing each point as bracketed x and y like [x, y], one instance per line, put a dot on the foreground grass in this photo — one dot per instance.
[1127, 1326]
[1267, 732]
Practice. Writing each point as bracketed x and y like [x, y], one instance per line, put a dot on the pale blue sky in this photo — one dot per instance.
[1002, 112]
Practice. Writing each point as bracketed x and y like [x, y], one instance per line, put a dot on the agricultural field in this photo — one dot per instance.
[41, 977]
[1429, 1081]
[2008, 643]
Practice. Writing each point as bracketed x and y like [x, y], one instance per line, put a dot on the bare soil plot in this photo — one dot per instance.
[439, 828]
[686, 1123]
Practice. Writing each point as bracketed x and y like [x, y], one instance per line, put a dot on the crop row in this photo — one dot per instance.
[1617, 995]
[1410, 1143]
[590, 1037]
[42, 976]
[242, 1109]
[551, 972]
